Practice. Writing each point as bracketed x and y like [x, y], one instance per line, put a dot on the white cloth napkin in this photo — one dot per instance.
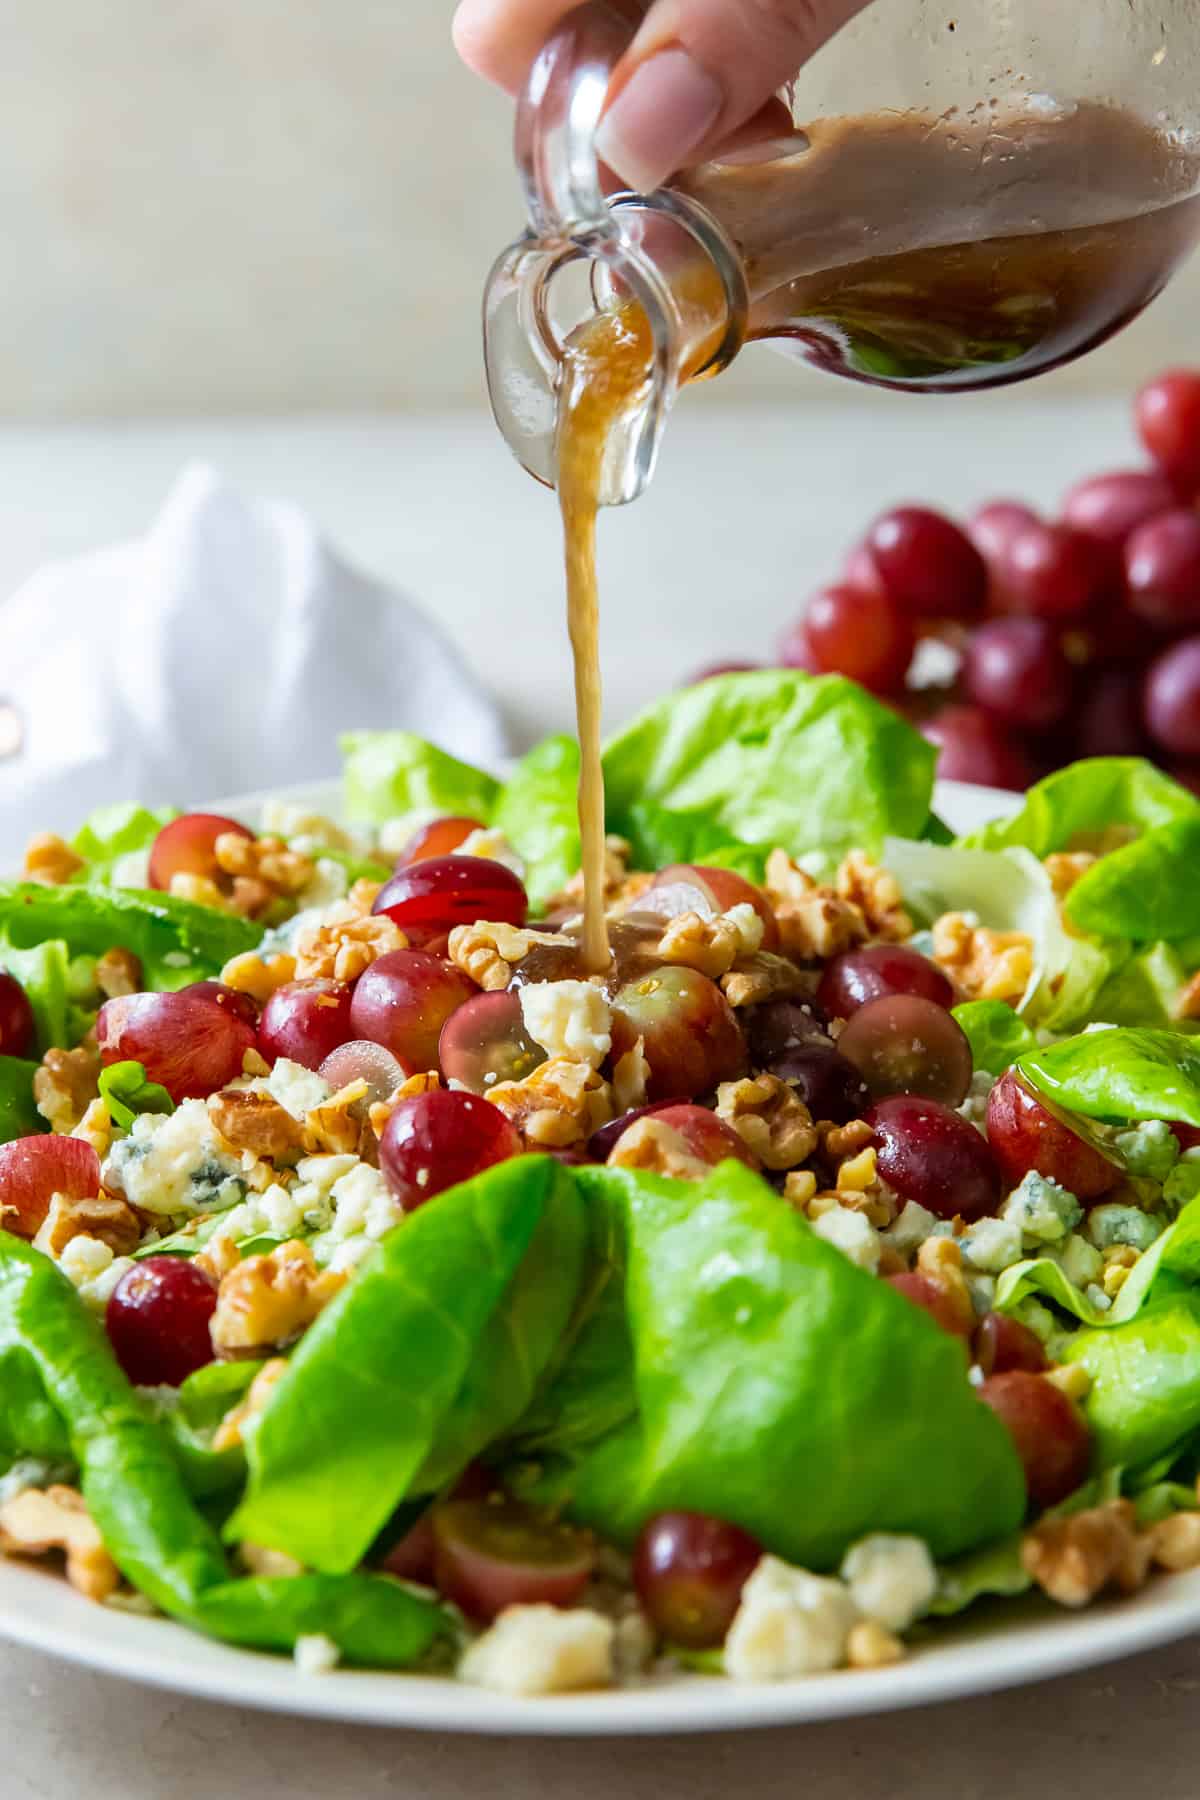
[222, 653]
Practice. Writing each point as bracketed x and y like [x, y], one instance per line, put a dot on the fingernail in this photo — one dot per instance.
[666, 108]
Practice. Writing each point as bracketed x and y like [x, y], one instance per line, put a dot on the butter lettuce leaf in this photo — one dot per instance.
[1123, 1076]
[537, 809]
[176, 941]
[19, 1116]
[116, 831]
[1147, 891]
[42, 970]
[998, 1036]
[387, 774]
[1075, 807]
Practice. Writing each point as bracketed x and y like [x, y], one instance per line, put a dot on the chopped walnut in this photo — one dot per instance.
[939, 1259]
[232, 1430]
[1071, 1379]
[711, 946]
[379, 1114]
[631, 1072]
[346, 944]
[770, 1119]
[66, 1084]
[657, 1149]
[1065, 868]
[488, 953]
[841, 1141]
[813, 921]
[1074, 1559]
[872, 1646]
[201, 890]
[50, 860]
[263, 863]
[336, 1127]
[104, 1216]
[560, 1104]
[266, 1301]
[984, 965]
[763, 976]
[118, 972]
[259, 976]
[1187, 1006]
[616, 875]
[257, 1122]
[34, 1522]
[799, 1188]
[96, 1128]
[1176, 1541]
[876, 893]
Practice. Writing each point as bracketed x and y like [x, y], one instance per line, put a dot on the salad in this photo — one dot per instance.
[376, 1287]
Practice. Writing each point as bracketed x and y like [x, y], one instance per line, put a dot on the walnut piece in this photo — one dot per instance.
[66, 1084]
[1176, 1541]
[770, 1119]
[346, 944]
[560, 1104]
[763, 976]
[813, 921]
[259, 976]
[983, 964]
[658, 1149]
[631, 1072]
[799, 1188]
[104, 1216]
[841, 1141]
[711, 946]
[1187, 1006]
[1074, 1559]
[488, 953]
[876, 893]
[616, 877]
[1065, 868]
[266, 1301]
[379, 1114]
[939, 1259]
[35, 1522]
[872, 1646]
[232, 1429]
[118, 972]
[257, 1122]
[50, 860]
[262, 869]
[96, 1128]
[336, 1127]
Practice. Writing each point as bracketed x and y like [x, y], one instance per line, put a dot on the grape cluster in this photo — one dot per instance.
[1056, 638]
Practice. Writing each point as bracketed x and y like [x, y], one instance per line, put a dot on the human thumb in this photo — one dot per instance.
[698, 70]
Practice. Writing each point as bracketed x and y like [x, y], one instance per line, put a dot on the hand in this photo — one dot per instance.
[700, 75]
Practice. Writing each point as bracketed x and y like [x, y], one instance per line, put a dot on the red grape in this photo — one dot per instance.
[444, 891]
[794, 651]
[692, 1041]
[861, 571]
[1172, 698]
[778, 1027]
[602, 1142]
[1186, 774]
[190, 1043]
[903, 1044]
[1162, 570]
[1002, 1343]
[991, 530]
[412, 1557]
[187, 846]
[1052, 572]
[484, 1041]
[158, 1320]
[435, 1140]
[927, 565]
[1023, 1135]
[1016, 670]
[402, 1002]
[242, 1005]
[305, 1021]
[34, 1169]
[361, 1060]
[949, 1307]
[1108, 721]
[694, 887]
[975, 747]
[1047, 1429]
[856, 976]
[689, 1571]
[18, 1028]
[701, 1133]
[714, 670]
[866, 636]
[931, 1155]
[490, 1554]
[441, 837]
[829, 1086]
[1168, 419]
[1107, 508]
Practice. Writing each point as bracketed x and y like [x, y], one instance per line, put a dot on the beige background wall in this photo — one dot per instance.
[274, 205]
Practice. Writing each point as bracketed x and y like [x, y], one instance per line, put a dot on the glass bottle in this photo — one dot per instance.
[955, 199]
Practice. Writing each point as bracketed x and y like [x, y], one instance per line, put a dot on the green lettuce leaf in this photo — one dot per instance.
[176, 941]
[114, 832]
[19, 1116]
[766, 759]
[1085, 800]
[995, 1571]
[1121, 1076]
[1145, 1377]
[1145, 989]
[43, 971]
[997, 1035]
[537, 809]
[434, 1350]
[1147, 891]
[125, 1089]
[390, 773]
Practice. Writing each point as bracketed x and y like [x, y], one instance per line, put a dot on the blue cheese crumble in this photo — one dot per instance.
[179, 1165]
[992, 1245]
[1115, 1224]
[1042, 1210]
[1149, 1151]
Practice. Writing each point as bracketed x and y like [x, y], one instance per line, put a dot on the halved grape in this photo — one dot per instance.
[856, 976]
[930, 1154]
[694, 887]
[34, 1169]
[1003, 1343]
[484, 1041]
[700, 1133]
[187, 846]
[190, 1043]
[435, 1140]
[158, 1319]
[305, 1021]
[444, 891]
[402, 1002]
[948, 1307]
[491, 1554]
[17, 1026]
[361, 1060]
[903, 1044]
[689, 1571]
[1048, 1432]
[778, 1027]
[603, 1142]
[829, 1086]
[692, 1041]
[441, 837]
[1023, 1135]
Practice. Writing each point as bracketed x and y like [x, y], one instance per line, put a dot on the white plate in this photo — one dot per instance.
[999, 1645]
